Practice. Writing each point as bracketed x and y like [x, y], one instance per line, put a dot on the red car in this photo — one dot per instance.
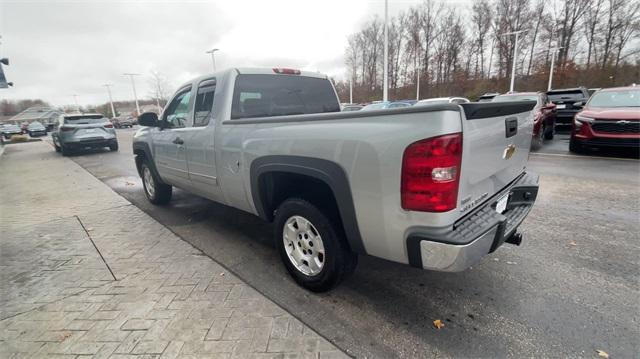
[545, 114]
[611, 118]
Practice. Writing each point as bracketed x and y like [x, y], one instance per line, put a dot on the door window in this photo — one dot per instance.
[204, 103]
[177, 112]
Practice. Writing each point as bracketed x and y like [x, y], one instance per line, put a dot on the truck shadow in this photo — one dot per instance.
[398, 301]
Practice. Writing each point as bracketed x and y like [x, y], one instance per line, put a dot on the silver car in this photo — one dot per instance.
[80, 131]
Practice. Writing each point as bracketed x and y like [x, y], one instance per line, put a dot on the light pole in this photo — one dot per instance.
[133, 84]
[213, 57]
[385, 73]
[515, 56]
[75, 99]
[553, 58]
[113, 109]
[351, 90]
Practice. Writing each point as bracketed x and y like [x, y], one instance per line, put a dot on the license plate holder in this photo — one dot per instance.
[501, 204]
[560, 107]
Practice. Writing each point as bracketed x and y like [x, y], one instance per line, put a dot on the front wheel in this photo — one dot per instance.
[156, 191]
[575, 146]
[113, 147]
[549, 132]
[312, 245]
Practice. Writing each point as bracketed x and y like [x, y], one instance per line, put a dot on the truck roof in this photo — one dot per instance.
[255, 70]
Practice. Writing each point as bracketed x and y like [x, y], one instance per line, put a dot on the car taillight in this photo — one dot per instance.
[286, 71]
[431, 174]
[65, 129]
[108, 125]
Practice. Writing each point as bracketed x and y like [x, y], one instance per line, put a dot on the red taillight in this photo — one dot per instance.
[108, 125]
[431, 174]
[286, 71]
[65, 129]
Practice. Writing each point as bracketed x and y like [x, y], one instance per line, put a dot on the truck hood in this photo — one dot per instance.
[612, 113]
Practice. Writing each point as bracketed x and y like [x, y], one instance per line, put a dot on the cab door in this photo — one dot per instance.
[199, 142]
[168, 140]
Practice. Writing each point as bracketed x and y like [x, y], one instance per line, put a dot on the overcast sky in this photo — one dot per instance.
[61, 48]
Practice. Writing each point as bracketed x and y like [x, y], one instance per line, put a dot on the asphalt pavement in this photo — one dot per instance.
[570, 289]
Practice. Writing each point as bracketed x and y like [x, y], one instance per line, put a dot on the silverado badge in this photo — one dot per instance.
[508, 152]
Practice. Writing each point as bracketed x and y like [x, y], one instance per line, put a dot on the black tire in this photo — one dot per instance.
[338, 260]
[575, 147]
[113, 147]
[549, 133]
[161, 193]
[64, 150]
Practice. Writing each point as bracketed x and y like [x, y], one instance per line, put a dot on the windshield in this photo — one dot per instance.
[620, 98]
[35, 125]
[506, 98]
[569, 95]
[84, 119]
[11, 127]
[261, 95]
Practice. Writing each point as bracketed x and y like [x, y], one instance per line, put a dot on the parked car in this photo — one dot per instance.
[79, 131]
[36, 129]
[436, 187]
[385, 105]
[9, 130]
[487, 97]
[544, 120]
[352, 107]
[611, 118]
[442, 100]
[568, 103]
[122, 122]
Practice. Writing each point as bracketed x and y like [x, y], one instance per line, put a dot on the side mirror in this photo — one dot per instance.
[148, 119]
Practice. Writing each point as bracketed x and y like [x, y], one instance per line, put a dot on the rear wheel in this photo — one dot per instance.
[156, 191]
[64, 150]
[312, 246]
[550, 131]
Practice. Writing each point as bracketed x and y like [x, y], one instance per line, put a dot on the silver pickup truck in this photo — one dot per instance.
[436, 187]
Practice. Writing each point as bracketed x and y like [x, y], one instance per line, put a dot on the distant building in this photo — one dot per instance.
[44, 115]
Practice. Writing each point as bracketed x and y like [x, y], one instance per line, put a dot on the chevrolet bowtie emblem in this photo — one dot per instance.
[508, 152]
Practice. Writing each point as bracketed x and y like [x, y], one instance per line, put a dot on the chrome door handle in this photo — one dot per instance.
[178, 141]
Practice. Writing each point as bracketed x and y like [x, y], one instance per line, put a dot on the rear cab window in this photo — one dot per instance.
[264, 95]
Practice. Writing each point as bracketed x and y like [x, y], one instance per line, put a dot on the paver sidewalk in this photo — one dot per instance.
[85, 273]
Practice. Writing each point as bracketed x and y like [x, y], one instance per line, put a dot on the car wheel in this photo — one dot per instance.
[549, 133]
[312, 246]
[64, 150]
[56, 146]
[575, 146]
[113, 147]
[156, 191]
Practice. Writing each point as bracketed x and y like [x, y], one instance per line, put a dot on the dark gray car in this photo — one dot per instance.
[80, 131]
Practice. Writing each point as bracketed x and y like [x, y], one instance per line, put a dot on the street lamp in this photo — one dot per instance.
[213, 57]
[133, 84]
[75, 99]
[553, 57]
[113, 110]
[385, 74]
[515, 56]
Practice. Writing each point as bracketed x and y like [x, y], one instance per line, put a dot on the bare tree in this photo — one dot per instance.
[538, 14]
[481, 17]
[591, 23]
[159, 88]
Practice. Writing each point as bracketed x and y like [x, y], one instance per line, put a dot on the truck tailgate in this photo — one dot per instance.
[496, 142]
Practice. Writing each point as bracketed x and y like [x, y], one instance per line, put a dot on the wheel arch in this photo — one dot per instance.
[271, 175]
